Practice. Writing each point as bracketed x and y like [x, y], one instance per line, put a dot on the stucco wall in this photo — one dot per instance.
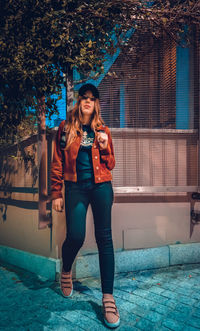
[137, 225]
[20, 230]
[138, 222]
[19, 200]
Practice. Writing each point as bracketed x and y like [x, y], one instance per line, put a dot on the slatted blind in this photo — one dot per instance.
[142, 93]
[144, 104]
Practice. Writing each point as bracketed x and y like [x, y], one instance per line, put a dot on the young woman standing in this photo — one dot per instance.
[83, 158]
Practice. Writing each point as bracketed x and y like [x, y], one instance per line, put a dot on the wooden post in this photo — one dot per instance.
[44, 218]
[70, 91]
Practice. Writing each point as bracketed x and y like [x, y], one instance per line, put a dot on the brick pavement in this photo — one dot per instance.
[157, 299]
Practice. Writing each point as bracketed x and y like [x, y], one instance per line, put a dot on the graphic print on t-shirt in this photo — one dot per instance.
[86, 141]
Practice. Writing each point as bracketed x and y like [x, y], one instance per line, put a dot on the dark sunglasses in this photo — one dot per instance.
[84, 97]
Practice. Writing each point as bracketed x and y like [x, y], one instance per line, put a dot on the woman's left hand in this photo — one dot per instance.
[102, 139]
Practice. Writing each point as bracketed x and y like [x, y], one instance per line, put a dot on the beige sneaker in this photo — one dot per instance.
[66, 284]
[111, 313]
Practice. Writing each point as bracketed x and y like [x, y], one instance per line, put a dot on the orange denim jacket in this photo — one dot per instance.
[103, 161]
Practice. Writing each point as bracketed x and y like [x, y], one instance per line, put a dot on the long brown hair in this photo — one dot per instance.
[74, 121]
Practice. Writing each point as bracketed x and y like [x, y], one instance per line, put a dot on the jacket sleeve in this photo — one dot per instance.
[107, 154]
[57, 168]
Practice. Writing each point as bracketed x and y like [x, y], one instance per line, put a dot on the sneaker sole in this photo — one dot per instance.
[112, 325]
[66, 296]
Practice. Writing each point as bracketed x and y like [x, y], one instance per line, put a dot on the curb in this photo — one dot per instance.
[141, 259]
[88, 265]
[43, 266]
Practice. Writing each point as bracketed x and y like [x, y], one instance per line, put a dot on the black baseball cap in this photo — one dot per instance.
[89, 87]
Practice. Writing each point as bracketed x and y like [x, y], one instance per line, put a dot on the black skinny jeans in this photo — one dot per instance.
[77, 199]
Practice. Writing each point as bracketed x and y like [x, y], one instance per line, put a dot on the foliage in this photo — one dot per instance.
[42, 41]
[26, 128]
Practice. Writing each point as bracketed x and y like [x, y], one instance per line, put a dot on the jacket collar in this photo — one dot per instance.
[100, 127]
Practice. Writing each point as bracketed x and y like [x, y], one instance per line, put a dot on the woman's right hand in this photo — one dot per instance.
[58, 204]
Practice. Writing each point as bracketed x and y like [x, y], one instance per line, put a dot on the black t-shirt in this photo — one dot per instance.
[84, 167]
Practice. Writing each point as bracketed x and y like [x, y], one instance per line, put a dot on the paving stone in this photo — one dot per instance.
[13, 328]
[154, 316]
[134, 298]
[197, 304]
[188, 283]
[170, 294]
[160, 328]
[196, 312]
[184, 308]
[186, 291]
[140, 311]
[157, 300]
[55, 322]
[140, 292]
[143, 302]
[168, 286]
[172, 325]
[194, 321]
[144, 324]
[128, 318]
[195, 295]
[125, 295]
[37, 327]
[162, 309]
[78, 318]
[171, 303]
[156, 289]
[127, 328]
[177, 316]
[189, 328]
[128, 306]
[187, 300]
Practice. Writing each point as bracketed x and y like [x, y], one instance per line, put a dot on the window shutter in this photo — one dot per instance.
[139, 102]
